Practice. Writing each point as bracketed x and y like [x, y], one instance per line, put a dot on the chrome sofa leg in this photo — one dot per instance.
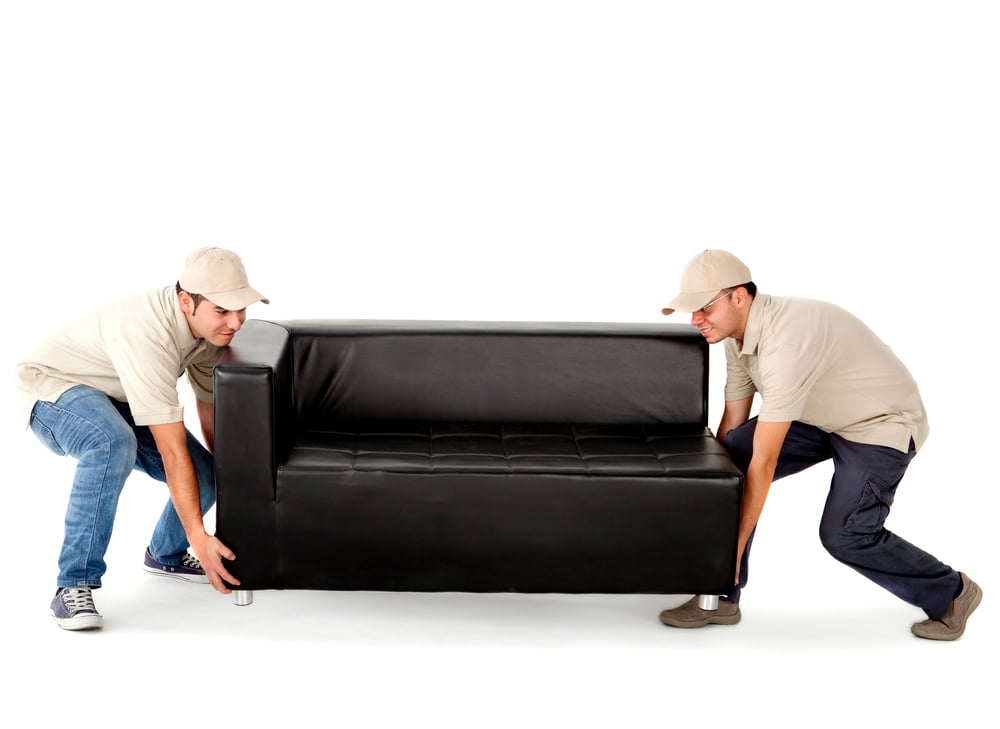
[708, 602]
[242, 597]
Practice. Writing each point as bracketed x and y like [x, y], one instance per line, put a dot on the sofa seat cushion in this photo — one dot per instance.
[508, 448]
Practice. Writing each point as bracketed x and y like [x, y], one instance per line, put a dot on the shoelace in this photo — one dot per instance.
[79, 600]
[191, 562]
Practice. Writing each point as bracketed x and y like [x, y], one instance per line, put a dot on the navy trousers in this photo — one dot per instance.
[852, 528]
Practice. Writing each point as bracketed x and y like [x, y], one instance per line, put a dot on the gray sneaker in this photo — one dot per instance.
[189, 569]
[690, 615]
[73, 609]
[951, 625]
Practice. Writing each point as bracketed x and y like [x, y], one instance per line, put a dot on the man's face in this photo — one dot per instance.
[213, 323]
[719, 318]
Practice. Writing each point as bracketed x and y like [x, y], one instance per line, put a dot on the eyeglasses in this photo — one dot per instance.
[704, 310]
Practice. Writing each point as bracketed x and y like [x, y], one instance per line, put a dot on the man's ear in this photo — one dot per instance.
[741, 295]
[187, 303]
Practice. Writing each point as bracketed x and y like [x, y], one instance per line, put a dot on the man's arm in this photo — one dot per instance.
[206, 414]
[767, 441]
[171, 441]
[736, 412]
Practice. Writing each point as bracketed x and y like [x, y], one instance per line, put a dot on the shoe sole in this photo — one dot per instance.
[85, 622]
[199, 579]
[710, 620]
[976, 599]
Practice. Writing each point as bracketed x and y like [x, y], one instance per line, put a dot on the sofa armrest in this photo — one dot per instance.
[253, 412]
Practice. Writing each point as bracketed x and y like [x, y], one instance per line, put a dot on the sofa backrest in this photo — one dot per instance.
[529, 372]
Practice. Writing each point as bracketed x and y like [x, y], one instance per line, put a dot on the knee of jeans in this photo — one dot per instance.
[122, 446]
[204, 471]
[204, 468]
[206, 493]
[739, 448]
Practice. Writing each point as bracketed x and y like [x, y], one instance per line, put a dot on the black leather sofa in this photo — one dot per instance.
[472, 457]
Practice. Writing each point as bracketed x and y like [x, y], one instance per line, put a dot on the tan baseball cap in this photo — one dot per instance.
[704, 277]
[219, 276]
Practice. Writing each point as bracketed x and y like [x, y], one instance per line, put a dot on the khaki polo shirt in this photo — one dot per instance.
[134, 350]
[816, 363]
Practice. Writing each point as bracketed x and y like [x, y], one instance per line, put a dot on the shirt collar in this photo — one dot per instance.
[755, 322]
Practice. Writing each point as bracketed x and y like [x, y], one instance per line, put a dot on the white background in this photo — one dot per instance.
[519, 160]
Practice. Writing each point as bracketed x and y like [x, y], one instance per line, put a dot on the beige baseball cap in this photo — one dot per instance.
[219, 276]
[704, 277]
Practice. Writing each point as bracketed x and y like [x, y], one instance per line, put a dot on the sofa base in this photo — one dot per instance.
[245, 597]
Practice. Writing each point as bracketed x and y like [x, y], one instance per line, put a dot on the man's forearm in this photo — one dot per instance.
[735, 414]
[767, 440]
[206, 416]
[185, 495]
[756, 488]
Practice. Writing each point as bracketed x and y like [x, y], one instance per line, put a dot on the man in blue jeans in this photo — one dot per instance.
[829, 389]
[104, 391]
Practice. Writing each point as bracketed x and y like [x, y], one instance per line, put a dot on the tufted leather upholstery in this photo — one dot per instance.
[472, 456]
[504, 448]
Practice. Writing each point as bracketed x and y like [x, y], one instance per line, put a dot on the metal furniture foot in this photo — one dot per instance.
[242, 597]
[708, 602]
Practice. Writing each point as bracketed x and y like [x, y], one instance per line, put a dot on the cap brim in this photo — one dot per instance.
[688, 302]
[236, 300]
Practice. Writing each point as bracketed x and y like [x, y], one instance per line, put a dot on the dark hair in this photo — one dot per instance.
[196, 298]
[751, 288]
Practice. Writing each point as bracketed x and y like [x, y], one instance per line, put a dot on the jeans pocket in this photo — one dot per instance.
[870, 512]
[45, 434]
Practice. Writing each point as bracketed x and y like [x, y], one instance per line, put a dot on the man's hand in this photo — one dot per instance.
[171, 441]
[210, 552]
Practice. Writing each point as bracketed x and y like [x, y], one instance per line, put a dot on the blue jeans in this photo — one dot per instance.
[852, 528]
[100, 433]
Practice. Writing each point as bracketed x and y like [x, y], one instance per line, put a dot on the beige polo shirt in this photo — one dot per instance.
[816, 363]
[134, 349]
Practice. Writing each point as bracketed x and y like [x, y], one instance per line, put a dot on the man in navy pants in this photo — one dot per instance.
[829, 389]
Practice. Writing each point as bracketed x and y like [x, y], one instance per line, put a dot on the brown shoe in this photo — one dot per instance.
[689, 615]
[951, 625]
